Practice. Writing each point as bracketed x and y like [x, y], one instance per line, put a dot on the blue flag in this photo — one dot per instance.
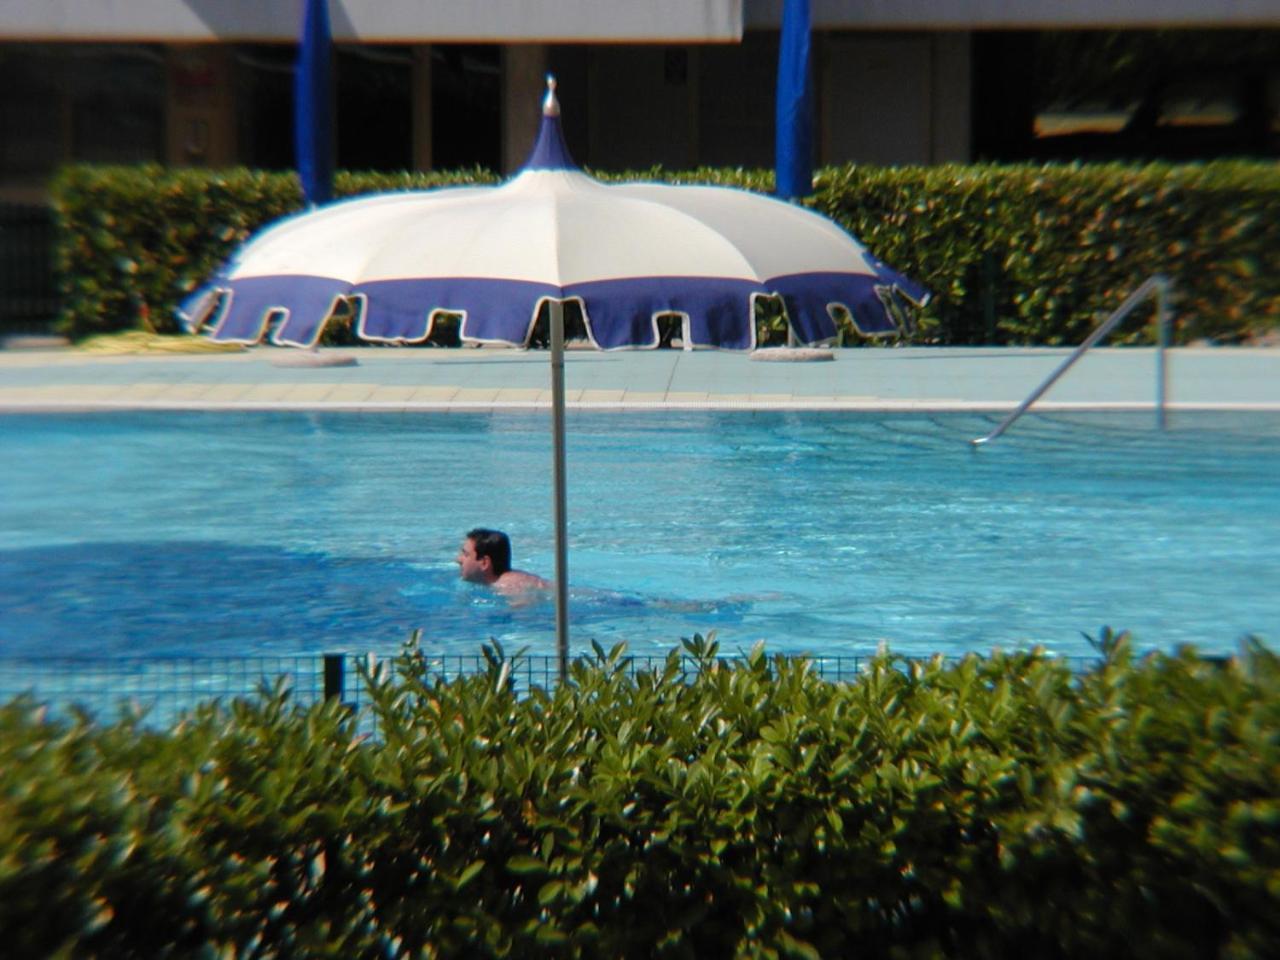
[794, 135]
[313, 104]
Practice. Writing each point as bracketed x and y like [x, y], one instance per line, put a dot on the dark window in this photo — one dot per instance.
[117, 105]
[466, 91]
[737, 88]
[375, 114]
[264, 101]
[30, 114]
[64, 102]
[373, 127]
[571, 65]
[1128, 95]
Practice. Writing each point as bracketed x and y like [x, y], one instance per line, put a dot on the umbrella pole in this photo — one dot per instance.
[558, 471]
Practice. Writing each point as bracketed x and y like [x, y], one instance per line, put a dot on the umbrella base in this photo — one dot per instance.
[310, 359]
[792, 354]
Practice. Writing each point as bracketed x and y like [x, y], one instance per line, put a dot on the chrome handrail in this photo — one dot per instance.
[1159, 285]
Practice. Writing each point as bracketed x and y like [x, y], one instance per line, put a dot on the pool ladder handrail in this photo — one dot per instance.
[1161, 287]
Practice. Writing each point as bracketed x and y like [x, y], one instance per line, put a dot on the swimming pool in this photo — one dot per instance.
[178, 534]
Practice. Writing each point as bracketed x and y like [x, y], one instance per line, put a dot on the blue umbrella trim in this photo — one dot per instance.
[619, 314]
[244, 309]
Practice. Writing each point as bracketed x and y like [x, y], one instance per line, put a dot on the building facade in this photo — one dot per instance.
[680, 83]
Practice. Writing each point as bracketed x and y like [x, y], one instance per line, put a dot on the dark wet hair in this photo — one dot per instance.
[494, 545]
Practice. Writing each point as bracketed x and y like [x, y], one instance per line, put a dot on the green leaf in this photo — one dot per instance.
[550, 892]
[524, 864]
[470, 873]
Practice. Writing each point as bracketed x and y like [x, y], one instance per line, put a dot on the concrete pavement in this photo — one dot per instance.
[920, 378]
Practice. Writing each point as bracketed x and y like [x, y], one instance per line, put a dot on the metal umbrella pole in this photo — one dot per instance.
[558, 496]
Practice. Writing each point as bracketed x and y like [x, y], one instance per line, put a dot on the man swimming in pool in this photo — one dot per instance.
[485, 557]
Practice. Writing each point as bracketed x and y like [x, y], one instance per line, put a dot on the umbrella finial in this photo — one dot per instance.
[549, 150]
[550, 105]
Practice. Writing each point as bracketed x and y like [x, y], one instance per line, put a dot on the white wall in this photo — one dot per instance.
[438, 21]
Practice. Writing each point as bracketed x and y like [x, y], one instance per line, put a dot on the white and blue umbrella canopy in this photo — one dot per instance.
[627, 254]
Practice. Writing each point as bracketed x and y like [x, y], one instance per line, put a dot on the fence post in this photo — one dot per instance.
[335, 676]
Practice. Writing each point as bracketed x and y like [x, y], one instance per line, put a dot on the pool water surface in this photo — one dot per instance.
[179, 534]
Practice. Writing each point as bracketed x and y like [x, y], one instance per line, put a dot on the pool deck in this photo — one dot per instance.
[382, 379]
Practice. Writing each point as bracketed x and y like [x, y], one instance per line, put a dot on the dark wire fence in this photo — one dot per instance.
[28, 291]
[163, 689]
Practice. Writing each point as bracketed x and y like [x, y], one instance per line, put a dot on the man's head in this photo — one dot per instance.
[485, 555]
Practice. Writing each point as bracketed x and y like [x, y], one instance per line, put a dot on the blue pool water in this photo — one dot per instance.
[176, 534]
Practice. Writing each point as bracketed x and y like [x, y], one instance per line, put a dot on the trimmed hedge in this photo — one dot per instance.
[995, 807]
[1014, 255]
[133, 242]
[1041, 255]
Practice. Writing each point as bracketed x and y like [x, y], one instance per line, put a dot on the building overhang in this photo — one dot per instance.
[378, 21]
[585, 21]
[1019, 14]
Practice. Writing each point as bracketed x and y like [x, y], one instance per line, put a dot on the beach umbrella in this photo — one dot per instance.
[625, 254]
[313, 104]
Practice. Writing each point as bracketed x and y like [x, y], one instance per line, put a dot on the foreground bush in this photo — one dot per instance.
[1013, 254]
[998, 807]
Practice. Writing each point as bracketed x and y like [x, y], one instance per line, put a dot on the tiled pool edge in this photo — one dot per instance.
[482, 406]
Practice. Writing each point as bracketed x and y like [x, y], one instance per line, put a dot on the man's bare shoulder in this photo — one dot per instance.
[515, 582]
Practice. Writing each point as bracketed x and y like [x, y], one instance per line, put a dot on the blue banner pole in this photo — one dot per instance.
[313, 104]
[794, 134]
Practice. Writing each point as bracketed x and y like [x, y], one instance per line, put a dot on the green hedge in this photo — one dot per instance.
[1041, 255]
[1014, 255]
[134, 241]
[990, 808]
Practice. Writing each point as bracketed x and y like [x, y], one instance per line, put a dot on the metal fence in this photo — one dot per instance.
[161, 687]
[28, 291]
[164, 688]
